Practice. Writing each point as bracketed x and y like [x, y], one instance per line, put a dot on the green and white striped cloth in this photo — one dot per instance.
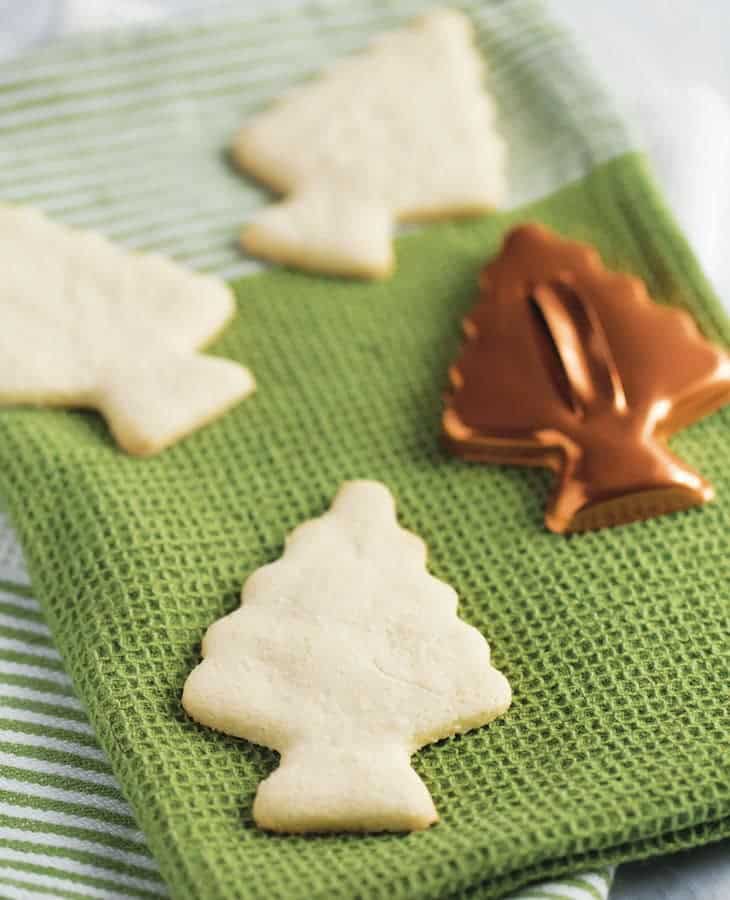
[126, 133]
[65, 828]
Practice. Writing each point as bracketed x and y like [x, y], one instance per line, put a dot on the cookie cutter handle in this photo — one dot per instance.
[589, 370]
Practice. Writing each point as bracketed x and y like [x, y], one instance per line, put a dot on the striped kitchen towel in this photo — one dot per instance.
[65, 827]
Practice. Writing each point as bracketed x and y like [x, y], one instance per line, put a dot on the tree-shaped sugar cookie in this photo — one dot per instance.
[346, 656]
[403, 131]
[88, 324]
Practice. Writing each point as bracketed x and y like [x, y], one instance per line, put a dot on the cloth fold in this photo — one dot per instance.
[616, 643]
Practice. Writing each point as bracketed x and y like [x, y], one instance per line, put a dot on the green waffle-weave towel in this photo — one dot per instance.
[617, 643]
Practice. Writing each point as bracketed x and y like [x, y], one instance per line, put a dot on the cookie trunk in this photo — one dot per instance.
[156, 402]
[328, 228]
[318, 789]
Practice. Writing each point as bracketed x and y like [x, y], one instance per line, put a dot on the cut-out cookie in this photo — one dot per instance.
[346, 656]
[89, 324]
[403, 131]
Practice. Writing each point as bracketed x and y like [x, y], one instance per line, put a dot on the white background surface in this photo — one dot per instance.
[668, 63]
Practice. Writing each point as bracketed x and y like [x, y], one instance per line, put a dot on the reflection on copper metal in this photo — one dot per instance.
[571, 366]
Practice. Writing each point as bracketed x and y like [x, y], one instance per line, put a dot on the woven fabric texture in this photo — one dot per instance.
[617, 643]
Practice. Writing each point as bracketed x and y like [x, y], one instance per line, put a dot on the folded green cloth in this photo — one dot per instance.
[617, 643]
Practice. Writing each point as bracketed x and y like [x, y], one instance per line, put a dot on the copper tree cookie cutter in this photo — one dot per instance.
[571, 366]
